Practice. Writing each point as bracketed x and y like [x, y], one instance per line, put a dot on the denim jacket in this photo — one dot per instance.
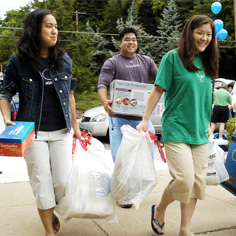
[21, 77]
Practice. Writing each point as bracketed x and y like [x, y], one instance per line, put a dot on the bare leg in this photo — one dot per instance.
[186, 216]
[222, 128]
[213, 126]
[47, 220]
[160, 209]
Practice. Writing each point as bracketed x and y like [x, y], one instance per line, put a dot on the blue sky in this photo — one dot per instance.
[7, 5]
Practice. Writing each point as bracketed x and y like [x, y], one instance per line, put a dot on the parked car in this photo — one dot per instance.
[218, 82]
[14, 106]
[14, 102]
[95, 120]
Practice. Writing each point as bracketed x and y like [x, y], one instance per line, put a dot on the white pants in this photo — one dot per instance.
[49, 162]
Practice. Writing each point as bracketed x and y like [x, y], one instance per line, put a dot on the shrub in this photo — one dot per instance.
[230, 128]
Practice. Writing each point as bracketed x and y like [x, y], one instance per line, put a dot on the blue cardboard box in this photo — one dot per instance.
[16, 139]
[230, 165]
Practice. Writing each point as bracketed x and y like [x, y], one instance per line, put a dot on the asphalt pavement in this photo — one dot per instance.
[215, 216]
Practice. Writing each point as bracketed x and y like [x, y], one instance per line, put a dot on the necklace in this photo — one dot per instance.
[201, 76]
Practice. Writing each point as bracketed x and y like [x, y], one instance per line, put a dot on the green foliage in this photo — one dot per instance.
[230, 128]
[169, 29]
[62, 9]
[113, 10]
[6, 46]
[99, 50]
[80, 53]
[89, 51]
[149, 14]
[87, 100]
[15, 18]
[90, 10]
[146, 42]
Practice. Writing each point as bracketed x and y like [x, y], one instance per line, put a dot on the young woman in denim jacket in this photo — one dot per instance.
[42, 75]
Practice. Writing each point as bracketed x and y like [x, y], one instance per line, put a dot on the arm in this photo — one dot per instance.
[106, 76]
[73, 115]
[151, 103]
[5, 107]
[210, 133]
[102, 94]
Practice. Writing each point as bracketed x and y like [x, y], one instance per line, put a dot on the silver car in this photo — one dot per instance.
[95, 120]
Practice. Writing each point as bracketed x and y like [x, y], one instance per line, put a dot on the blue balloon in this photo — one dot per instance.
[216, 7]
[222, 34]
[218, 25]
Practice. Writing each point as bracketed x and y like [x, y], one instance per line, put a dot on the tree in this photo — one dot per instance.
[169, 29]
[149, 12]
[90, 10]
[62, 9]
[147, 43]
[6, 46]
[99, 49]
[114, 9]
[80, 52]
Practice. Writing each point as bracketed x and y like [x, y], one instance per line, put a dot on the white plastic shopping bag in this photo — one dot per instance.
[216, 172]
[134, 175]
[88, 192]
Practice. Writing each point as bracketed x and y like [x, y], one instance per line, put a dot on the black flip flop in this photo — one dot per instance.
[56, 224]
[156, 222]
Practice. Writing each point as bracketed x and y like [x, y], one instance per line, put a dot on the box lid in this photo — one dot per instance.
[16, 133]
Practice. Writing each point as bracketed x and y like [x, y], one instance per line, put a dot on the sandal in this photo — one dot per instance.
[56, 224]
[156, 222]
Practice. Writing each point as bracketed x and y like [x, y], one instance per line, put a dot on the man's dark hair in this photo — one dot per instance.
[126, 31]
[230, 85]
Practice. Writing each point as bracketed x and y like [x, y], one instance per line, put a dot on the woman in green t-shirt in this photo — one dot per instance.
[185, 75]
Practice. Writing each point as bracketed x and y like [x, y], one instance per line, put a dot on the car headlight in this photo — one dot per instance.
[99, 118]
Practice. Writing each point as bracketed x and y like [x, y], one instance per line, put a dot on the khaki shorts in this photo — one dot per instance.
[188, 168]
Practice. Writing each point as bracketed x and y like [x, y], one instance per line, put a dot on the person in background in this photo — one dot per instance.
[185, 75]
[127, 66]
[220, 114]
[230, 90]
[42, 74]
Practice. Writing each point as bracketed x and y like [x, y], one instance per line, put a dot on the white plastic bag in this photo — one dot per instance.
[134, 175]
[216, 172]
[88, 192]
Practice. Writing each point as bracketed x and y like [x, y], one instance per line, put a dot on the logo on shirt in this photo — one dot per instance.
[46, 77]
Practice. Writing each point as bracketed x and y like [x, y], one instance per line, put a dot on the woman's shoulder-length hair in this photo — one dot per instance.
[29, 45]
[186, 49]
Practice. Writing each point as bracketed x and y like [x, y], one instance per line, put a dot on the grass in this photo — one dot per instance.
[87, 100]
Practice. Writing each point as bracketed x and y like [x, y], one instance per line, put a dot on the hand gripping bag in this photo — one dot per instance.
[87, 193]
[134, 175]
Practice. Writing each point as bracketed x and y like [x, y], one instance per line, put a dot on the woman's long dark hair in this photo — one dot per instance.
[186, 50]
[29, 45]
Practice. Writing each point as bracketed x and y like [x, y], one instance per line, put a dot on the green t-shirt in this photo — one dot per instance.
[222, 98]
[187, 100]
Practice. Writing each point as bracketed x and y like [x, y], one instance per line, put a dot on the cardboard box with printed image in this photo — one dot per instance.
[130, 98]
[16, 139]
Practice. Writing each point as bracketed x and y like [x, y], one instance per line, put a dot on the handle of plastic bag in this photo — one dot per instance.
[84, 142]
[154, 137]
[128, 129]
[74, 144]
